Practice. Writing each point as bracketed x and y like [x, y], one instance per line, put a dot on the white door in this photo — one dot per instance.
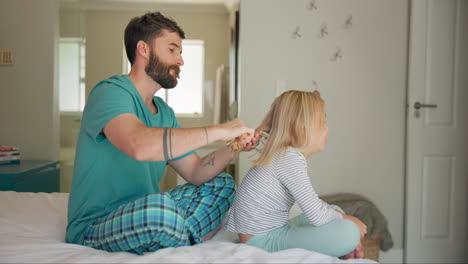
[437, 137]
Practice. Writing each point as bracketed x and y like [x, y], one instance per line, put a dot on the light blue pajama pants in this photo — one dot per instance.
[336, 238]
[178, 217]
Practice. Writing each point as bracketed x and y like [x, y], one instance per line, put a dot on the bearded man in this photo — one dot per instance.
[127, 138]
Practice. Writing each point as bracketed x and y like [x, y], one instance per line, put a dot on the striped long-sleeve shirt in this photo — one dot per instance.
[267, 194]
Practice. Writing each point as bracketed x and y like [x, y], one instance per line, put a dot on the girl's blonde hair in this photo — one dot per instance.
[294, 119]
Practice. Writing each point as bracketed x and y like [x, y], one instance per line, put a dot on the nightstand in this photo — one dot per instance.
[30, 176]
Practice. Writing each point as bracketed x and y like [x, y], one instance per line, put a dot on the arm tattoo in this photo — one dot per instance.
[206, 134]
[170, 144]
[167, 143]
[208, 160]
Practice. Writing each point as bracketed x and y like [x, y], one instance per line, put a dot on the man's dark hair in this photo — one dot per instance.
[146, 28]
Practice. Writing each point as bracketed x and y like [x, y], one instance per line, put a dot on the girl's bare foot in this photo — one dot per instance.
[349, 256]
[358, 253]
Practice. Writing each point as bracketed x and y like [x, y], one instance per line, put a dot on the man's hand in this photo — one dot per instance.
[234, 129]
[241, 144]
[253, 143]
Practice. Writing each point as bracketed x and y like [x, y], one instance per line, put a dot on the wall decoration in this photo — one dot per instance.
[296, 34]
[312, 5]
[323, 31]
[326, 29]
[348, 22]
[337, 55]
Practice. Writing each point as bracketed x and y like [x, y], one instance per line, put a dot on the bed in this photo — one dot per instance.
[32, 230]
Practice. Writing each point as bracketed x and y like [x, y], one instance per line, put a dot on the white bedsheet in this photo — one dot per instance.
[32, 230]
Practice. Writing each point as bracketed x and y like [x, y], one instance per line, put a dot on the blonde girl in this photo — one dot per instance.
[296, 129]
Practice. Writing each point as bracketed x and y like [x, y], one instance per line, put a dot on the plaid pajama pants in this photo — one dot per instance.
[179, 217]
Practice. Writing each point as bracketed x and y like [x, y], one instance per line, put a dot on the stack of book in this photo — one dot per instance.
[9, 155]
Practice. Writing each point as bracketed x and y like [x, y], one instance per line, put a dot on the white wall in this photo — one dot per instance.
[28, 90]
[364, 90]
[71, 22]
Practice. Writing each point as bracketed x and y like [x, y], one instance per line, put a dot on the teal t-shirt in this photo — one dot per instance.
[104, 177]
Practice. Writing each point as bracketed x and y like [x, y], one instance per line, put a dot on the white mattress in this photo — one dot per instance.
[32, 229]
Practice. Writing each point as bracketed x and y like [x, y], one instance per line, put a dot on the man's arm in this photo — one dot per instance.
[140, 142]
[198, 171]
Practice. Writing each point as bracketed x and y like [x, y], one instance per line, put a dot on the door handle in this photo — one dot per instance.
[419, 105]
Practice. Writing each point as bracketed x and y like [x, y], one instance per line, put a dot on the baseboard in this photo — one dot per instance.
[394, 255]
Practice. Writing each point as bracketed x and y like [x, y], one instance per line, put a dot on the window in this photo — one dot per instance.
[187, 97]
[71, 75]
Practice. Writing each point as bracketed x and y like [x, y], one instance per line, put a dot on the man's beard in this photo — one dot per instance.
[160, 72]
